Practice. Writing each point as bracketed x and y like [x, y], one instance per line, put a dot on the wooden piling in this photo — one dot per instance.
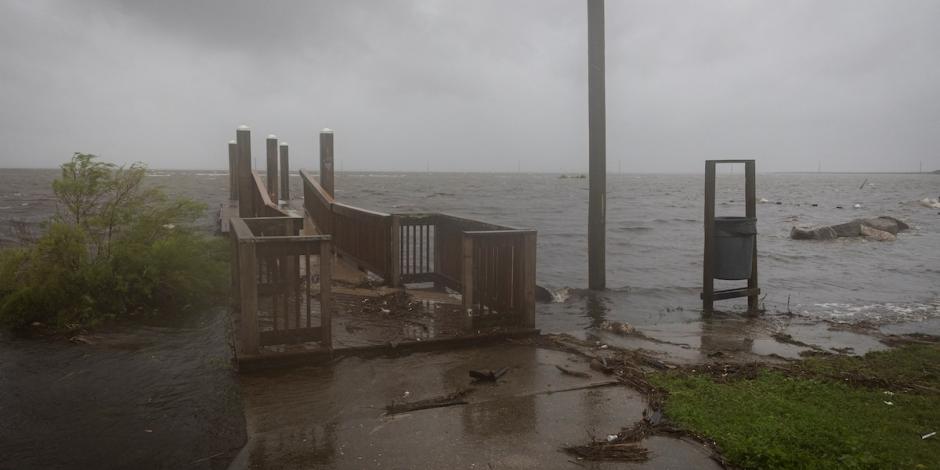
[597, 148]
[750, 201]
[708, 264]
[326, 160]
[272, 168]
[284, 172]
[233, 170]
[245, 200]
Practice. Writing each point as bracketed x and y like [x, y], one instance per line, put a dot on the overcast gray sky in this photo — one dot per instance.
[473, 85]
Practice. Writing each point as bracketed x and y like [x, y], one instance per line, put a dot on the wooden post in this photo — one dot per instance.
[750, 196]
[248, 289]
[233, 170]
[285, 173]
[395, 251]
[326, 161]
[245, 200]
[272, 168]
[708, 266]
[597, 148]
[326, 293]
[466, 275]
[438, 249]
[530, 243]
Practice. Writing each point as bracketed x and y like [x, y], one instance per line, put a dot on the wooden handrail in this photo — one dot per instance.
[493, 266]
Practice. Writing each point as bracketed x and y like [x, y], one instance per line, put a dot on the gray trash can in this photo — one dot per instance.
[734, 247]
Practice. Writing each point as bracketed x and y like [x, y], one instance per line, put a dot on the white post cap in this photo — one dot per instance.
[283, 144]
[244, 127]
[272, 136]
[326, 130]
[232, 142]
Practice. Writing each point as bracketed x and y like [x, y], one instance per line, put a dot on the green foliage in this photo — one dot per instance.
[114, 248]
[784, 421]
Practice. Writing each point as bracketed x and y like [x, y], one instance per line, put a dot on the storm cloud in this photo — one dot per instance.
[473, 85]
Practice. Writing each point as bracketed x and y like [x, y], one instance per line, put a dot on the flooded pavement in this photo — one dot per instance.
[334, 416]
[122, 397]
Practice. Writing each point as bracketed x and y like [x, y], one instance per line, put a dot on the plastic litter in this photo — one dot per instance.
[928, 435]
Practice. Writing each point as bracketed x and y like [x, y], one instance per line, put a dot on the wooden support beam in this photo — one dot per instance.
[248, 291]
[394, 255]
[466, 275]
[284, 168]
[326, 161]
[271, 181]
[597, 148]
[530, 243]
[245, 200]
[733, 293]
[326, 293]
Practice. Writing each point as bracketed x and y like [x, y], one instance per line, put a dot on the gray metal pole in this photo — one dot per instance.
[285, 173]
[597, 148]
[326, 160]
[233, 170]
[272, 167]
[243, 139]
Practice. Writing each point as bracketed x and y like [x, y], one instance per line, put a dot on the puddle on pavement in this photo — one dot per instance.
[334, 415]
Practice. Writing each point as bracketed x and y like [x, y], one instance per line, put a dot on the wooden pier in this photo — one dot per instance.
[471, 280]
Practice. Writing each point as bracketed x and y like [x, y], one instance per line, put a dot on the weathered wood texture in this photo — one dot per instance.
[272, 176]
[233, 171]
[326, 161]
[276, 286]
[284, 170]
[492, 266]
[245, 193]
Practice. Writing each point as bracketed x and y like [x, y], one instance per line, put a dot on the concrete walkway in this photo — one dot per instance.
[334, 416]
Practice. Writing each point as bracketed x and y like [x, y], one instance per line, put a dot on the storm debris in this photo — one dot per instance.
[456, 398]
[488, 375]
[574, 373]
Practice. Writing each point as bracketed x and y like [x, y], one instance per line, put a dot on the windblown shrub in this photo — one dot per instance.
[114, 248]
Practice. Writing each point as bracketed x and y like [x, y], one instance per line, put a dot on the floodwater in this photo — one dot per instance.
[654, 235]
[165, 393]
[141, 396]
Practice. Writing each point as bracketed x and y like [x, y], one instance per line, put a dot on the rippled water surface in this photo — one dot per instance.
[654, 241]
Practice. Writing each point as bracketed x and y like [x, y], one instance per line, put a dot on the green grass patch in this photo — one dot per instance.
[780, 419]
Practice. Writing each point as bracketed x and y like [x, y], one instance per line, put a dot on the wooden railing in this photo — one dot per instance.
[276, 283]
[492, 266]
[262, 205]
[359, 235]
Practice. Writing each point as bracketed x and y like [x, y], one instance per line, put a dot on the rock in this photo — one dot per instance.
[543, 295]
[876, 228]
[880, 235]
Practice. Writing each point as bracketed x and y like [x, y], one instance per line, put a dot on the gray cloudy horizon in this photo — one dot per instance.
[851, 85]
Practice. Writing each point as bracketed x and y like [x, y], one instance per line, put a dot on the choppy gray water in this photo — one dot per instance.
[654, 247]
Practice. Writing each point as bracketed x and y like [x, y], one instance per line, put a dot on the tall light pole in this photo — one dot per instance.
[597, 148]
